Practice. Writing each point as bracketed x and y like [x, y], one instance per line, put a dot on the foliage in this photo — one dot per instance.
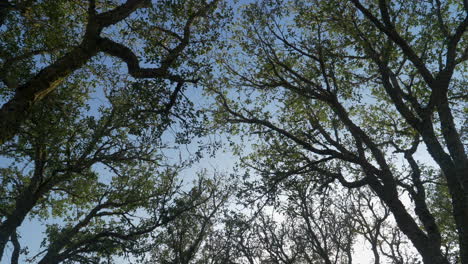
[83, 144]
[351, 92]
[348, 119]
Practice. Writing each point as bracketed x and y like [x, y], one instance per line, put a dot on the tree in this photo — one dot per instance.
[68, 35]
[102, 175]
[301, 228]
[97, 166]
[183, 240]
[352, 91]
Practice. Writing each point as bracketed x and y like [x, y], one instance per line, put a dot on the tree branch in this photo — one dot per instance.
[397, 39]
[124, 53]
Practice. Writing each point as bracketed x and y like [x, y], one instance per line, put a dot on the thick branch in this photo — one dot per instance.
[16, 248]
[124, 53]
[397, 39]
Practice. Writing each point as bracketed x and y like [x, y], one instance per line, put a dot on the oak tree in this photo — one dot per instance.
[353, 91]
[81, 138]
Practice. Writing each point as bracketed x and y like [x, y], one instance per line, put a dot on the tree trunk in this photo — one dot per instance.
[430, 251]
[23, 205]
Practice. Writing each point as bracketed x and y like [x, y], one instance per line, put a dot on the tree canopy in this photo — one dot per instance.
[347, 120]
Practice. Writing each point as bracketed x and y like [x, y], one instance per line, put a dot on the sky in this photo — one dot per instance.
[32, 230]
